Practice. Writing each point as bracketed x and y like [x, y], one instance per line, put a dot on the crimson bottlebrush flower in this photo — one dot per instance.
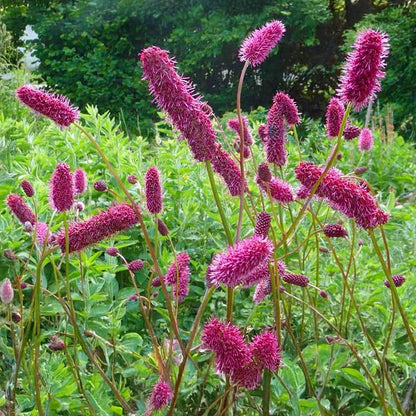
[228, 170]
[100, 186]
[20, 209]
[236, 263]
[162, 228]
[262, 224]
[362, 72]
[6, 292]
[262, 132]
[80, 181]
[227, 342]
[351, 132]
[161, 396]
[283, 108]
[263, 172]
[334, 115]
[258, 44]
[266, 351]
[175, 95]
[335, 230]
[85, 233]
[247, 376]
[55, 107]
[42, 232]
[343, 195]
[234, 124]
[280, 190]
[132, 179]
[61, 195]
[178, 276]
[153, 190]
[365, 142]
[112, 251]
[360, 170]
[398, 280]
[27, 188]
[295, 279]
[135, 265]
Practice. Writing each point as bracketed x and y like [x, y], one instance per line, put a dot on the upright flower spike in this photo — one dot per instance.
[262, 226]
[365, 142]
[176, 96]
[19, 208]
[334, 115]
[343, 195]
[266, 351]
[55, 107]
[234, 124]
[263, 172]
[351, 132]
[42, 231]
[61, 196]
[6, 292]
[27, 188]
[80, 181]
[236, 263]
[160, 397]
[362, 73]
[178, 276]
[85, 233]
[228, 170]
[258, 44]
[153, 190]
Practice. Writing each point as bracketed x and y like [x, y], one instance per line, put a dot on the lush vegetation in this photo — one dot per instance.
[88, 50]
[84, 334]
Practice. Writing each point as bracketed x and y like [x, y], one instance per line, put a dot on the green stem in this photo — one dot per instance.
[267, 378]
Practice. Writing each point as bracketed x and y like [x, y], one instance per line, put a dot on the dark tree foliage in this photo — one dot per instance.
[89, 48]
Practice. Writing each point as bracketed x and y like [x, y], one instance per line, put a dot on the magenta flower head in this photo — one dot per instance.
[335, 231]
[85, 233]
[342, 194]
[228, 170]
[42, 233]
[135, 265]
[20, 209]
[295, 279]
[262, 224]
[153, 190]
[334, 115]
[262, 132]
[266, 351]
[280, 190]
[61, 195]
[162, 227]
[80, 181]
[227, 342]
[398, 280]
[233, 124]
[55, 107]
[161, 396]
[100, 186]
[263, 172]
[132, 179]
[178, 276]
[6, 292]
[365, 142]
[112, 251]
[258, 44]
[175, 95]
[27, 188]
[351, 132]
[236, 263]
[362, 72]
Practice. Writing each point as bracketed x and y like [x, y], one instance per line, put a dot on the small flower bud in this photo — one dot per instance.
[264, 172]
[27, 188]
[100, 186]
[89, 333]
[23, 285]
[360, 170]
[398, 280]
[112, 251]
[133, 298]
[360, 242]
[9, 254]
[323, 294]
[135, 265]
[56, 344]
[323, 249]
[16, 317]
[28, 226]
[79, 206]
[156, 282]
[162, 228]
[132, 179]
[339, 156]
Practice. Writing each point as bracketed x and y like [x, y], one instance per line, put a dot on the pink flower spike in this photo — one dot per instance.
[351, 132]
[234, 265]
[42, 231]
[280, 190]
[20, 209]
[398, 280]
[334, 115]
[233, 124]
[175, 95]
[80, 181]
[100, 186]
[228, 170]
[55, 107]
[27, 188]
[258, 44]
[161, 396]
[362, 73]
[335, 231]
[178, 276]
[6, 292]
[262, 226]
[135, 265]
[266, 351]
[263, 172]
[365, 142]
[162, 227]
[153, 190]
[85, 233]
[295, 279]
[61, 196]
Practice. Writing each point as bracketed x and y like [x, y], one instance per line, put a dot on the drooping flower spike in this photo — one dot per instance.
[20, 209]
[55, 107]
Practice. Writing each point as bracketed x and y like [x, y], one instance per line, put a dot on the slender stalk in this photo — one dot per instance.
[267, 378]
